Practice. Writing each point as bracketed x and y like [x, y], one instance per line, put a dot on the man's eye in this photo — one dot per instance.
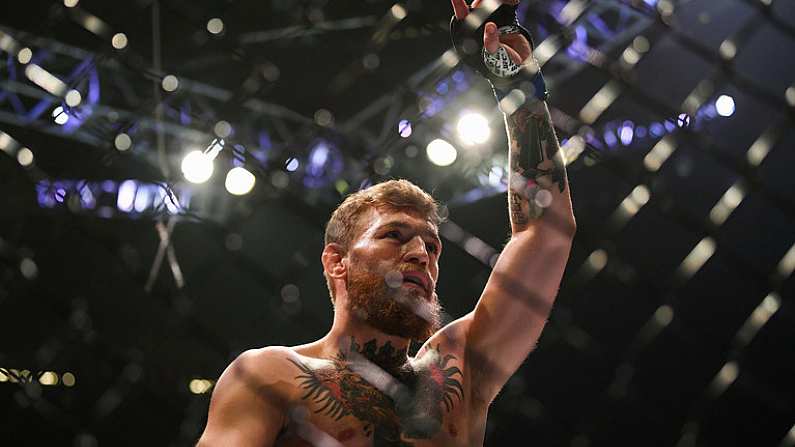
[431, 247]
[393, 234]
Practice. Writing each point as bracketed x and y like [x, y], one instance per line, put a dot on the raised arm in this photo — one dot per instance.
[510, 315]
[245, 409]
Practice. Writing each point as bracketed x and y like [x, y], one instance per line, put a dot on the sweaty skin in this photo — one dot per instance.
[357, 386]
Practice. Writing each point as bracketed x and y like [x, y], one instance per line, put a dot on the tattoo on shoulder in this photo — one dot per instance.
[415, 411]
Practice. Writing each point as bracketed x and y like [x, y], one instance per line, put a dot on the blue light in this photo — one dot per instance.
[142, 199]
[126, 198]
[640, 131]
[318, 157]
[404, 128]
[87, 199]
[610, 138]
[657, 129]
[292, 164]
[626, 133]
[683, 120]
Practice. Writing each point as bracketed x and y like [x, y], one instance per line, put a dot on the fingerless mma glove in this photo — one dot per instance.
[498, 68]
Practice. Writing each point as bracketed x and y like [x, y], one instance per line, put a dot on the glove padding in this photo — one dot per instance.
[503, 74]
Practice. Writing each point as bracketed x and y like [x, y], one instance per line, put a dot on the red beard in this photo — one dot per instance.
[391, 310]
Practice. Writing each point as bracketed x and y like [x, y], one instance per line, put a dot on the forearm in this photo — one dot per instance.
[538, 192]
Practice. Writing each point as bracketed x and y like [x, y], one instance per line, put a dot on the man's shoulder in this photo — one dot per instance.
[265, 366]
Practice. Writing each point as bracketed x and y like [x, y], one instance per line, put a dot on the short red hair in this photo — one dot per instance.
[344, 225]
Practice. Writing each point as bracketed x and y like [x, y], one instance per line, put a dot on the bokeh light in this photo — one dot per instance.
[197, 167]
[441, 153]
[239, 181]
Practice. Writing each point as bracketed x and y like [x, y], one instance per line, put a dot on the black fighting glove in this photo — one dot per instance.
[498, 68]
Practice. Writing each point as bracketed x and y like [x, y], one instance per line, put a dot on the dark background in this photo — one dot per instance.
[638, 350]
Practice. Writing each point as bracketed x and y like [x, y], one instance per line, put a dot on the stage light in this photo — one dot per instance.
[404, 128]
[119, 41]
[222, 129]
[239, 181]
[441, 153]
[170, 83]
[143, 198]
[215, 26]
[29, 269]
[25, 55]
[68, 379]
[70, 3]
[73, 98]
[789, 94]
[626, 133]
[725, 105]
[49, 378]
[292, 164]
[200, 386]
[197, 167]
[125, 200]
[60, 116]
[473, 128]
[398, 11]
[656, 129]
[45, 80]
[25, 157]
[122, 142]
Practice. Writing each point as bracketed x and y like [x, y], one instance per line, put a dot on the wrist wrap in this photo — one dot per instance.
[503, 74]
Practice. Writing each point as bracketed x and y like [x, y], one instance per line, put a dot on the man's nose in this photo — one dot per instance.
[416, 252]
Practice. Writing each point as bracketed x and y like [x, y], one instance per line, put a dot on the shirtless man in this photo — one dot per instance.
[357, 386]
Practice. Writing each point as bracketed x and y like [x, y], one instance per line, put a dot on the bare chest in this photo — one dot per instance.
[355, 403]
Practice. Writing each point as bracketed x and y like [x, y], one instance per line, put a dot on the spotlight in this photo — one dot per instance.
[404, 128]
[441, 153]
[215, 26]
[197, 167]
[725, 105]
[60, 116]
[473, 128]
[239, 181]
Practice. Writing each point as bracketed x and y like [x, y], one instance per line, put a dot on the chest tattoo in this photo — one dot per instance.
[392, 399]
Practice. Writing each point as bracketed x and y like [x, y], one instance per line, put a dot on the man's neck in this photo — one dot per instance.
[351, 339]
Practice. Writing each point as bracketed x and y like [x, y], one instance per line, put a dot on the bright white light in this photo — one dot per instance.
[215, 25]
[398, 11]
[125, 201]
[473, 128]
[170, 83]
[25, 156]
[119, 41]
[292, 164]
[70, 3]
[25, 55]
[441, 153]
[725, 105]
[239, 181]
[197, 167]
[73, 98]
[60, 116]
[122, 142]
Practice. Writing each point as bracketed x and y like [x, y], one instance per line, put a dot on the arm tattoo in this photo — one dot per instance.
[534, 153]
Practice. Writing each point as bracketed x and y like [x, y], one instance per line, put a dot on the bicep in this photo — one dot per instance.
[242, 410]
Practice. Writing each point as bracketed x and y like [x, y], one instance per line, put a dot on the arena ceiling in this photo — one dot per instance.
[675, 321]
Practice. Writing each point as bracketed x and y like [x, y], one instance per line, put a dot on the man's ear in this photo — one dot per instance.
[333, 259]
